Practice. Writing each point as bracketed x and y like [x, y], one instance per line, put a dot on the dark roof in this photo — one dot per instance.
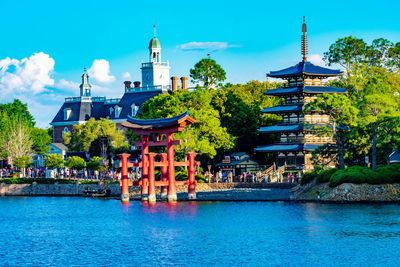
[60, 146]
[137, 98]
[283, 109]
[306, 68]
[83, 111]
[278, 148]
[281, 128]
[394, 157]
[305, 89]
[287, 148]
[233, 163]
[238, 154]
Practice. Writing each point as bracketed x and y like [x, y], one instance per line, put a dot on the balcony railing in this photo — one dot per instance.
[112, 101]
[147, 88]
[85, 99]
[150, 64]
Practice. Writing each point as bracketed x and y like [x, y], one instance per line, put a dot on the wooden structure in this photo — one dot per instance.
[161, 131]
[304, 82]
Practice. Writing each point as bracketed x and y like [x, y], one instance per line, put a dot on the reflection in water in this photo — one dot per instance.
[170, 208]
[73, 231]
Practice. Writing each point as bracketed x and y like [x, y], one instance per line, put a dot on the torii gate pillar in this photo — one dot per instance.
[191, 178]
[124, 178]
[171, 169]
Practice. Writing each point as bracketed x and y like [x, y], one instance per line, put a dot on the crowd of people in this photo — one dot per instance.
[135, 174]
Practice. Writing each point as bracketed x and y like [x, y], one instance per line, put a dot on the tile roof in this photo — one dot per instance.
[283, 109]
[305, 89]
[287, 148]
[304, 68]
[281, 128]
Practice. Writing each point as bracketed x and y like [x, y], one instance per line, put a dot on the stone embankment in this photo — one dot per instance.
[205, 191]
[348, 193]
[36, 189]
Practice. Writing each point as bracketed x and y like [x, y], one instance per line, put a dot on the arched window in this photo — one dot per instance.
[66, 130]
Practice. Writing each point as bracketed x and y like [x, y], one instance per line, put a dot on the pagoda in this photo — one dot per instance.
[304, 82]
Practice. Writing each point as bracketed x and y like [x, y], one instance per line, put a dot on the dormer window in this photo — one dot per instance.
[67, 114]
[118, 110]
[134, 109]
[66, 130]
[111, 111]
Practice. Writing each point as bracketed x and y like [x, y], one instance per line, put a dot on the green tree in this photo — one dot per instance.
[208, 72]
[206, 136]
[54, 161]
[41, 140]
[378, 106]
[15, 137]
[103, 131]
[346, 52]
[341, 113]
[22, 162]
[94, 164]
[76, 163]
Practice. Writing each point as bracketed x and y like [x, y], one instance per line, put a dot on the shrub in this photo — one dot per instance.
[308, 177]
[352, 175]
[200, 178]
[325, 175]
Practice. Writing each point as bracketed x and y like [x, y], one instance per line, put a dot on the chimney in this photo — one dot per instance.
[136, 83]
[184, 82]
[174, 83]
[127, 84]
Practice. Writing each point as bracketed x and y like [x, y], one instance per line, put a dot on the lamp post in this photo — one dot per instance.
[209, 173]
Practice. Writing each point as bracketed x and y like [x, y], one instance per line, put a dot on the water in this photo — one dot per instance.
[77, 231]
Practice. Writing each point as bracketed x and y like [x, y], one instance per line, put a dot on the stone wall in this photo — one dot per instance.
[349, 192]
[35, 189]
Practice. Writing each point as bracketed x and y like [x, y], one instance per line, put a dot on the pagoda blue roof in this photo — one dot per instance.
[282, 109]
[305, 89]
[281, 128]
[305, 68]
[287, 148]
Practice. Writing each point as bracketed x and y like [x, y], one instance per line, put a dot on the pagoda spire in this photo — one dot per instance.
[304, 41]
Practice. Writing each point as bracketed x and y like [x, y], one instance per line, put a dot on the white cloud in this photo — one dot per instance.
[30, 75]
[67, 85]
[316, 59]
[126, 75]
[100, 71]
[205, 46]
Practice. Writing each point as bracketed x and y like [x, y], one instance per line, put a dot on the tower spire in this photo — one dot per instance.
[154, 29]
[304, 41]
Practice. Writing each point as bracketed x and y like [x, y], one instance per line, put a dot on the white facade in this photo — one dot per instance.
[155, 72]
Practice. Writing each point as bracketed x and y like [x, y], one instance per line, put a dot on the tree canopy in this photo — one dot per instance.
[208, 72]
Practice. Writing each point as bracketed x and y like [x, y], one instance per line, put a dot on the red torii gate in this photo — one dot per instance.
[157, 128]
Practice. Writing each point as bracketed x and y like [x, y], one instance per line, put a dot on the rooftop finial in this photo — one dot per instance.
[304, 41]
[154, 29]
[84, 69]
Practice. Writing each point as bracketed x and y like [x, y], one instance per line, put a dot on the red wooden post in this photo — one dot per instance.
[125, 185]
[164, 177]
[145, 170]
[171, 169]
[192, 178]
[152, 179]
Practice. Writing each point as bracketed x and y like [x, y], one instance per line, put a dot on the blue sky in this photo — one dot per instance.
[46, 44]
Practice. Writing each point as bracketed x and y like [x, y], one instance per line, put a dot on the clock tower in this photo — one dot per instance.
[155, 72]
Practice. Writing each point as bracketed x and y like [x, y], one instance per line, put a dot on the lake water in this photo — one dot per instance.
[60, 231]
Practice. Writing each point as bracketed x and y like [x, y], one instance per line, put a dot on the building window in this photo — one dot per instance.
[67, 114]
[135, 110]
[117, 111]
[111, 111]
[66, 130]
